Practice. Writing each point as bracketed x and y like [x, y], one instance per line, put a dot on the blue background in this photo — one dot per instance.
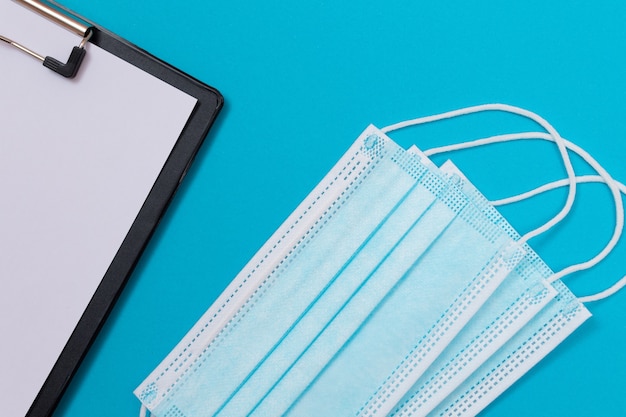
[301, 80]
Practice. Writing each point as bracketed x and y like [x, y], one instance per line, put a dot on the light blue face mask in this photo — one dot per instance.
[405, 306]
[548, 328]
[340, 292]
[524, 293]
[444, 377]
[517, 300]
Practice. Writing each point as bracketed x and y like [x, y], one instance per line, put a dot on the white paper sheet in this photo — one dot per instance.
[77, 160]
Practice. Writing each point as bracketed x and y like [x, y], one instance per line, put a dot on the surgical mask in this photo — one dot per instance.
[222, 365]
[319, 402]
[426, 395]
[518, 299]
[495, 323]
[522, 295]
[516, 302]
[547, 330]
[405, 309]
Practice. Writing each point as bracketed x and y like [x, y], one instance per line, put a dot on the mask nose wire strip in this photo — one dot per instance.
[520, 112]
[613, 185]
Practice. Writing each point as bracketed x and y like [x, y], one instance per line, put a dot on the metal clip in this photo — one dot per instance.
[68, 69]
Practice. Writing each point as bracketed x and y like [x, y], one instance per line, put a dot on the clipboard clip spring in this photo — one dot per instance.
[68, 69]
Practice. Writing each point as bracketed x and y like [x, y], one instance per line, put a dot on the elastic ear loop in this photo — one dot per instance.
[559, 184]
[520, 112]
[581, 179]
[614, 186]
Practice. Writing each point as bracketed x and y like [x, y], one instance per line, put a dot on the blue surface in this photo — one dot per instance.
[301, 80]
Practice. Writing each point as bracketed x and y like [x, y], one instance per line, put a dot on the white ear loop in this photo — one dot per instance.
[606, 178]
[582, 179]
[520, 112]
[559, 184]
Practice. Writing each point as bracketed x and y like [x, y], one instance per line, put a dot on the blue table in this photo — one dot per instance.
[301, 80]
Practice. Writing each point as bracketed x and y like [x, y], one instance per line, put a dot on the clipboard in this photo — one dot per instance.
[167, 92]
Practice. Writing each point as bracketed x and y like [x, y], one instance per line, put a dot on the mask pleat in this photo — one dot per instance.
[350, 318]
[330, 301]
[400, 323]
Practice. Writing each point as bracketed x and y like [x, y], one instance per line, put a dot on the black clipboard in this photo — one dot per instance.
[209, 103]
